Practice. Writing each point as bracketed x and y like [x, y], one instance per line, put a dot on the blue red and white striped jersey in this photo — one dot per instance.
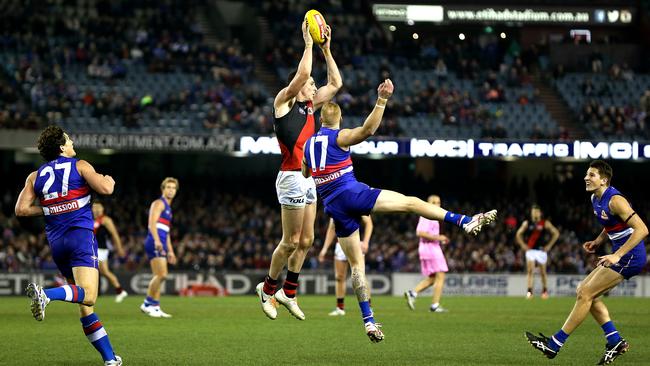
[331, 166]
[617, 230]
[164, 222]
[65, 197]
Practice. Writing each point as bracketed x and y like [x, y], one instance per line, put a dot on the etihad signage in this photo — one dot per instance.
[502, 14]
[470, 149]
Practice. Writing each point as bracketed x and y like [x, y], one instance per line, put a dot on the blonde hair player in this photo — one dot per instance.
[293, 111]
[433, 264]
[158, 246]
[327, 159]
[341, 261]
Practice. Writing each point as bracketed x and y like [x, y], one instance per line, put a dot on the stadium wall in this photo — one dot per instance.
[322, 283]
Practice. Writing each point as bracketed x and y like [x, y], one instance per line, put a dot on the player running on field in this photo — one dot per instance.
[63, 187]
[626, 230]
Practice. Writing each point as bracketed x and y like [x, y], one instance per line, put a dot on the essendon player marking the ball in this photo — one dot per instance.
[294, 123]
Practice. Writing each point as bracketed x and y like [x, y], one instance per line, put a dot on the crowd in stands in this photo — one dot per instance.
[85, 59]
[231, 231]
[454, 82]
[610, 103]
[88, 64]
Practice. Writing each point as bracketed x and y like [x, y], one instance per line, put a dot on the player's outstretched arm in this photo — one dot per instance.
[102, 184]
[620, 207]
[334, 80]
[330, 235]
[302, 74]
[25, 204]
[555, 235]
[349, 137]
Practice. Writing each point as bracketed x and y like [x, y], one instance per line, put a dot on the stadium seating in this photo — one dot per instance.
[586, 93]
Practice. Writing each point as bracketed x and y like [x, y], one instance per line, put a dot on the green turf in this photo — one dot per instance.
[233, 331]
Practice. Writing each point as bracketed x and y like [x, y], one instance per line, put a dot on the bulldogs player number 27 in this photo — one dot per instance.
[50, 180]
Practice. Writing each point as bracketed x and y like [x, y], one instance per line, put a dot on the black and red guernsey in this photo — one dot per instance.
[535, 234]
[292, 130]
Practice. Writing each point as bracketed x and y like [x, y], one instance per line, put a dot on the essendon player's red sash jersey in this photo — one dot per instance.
[64, 196]
[292, 130]
[535, 234]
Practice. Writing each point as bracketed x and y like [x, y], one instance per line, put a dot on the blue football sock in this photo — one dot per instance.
[149, 301]
[611, 333]
[557, 340]
[97, 336]
[366, 312]
[456, 219]
[69, 293]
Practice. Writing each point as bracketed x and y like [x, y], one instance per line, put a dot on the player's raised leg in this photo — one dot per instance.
[352, 250]
[395, 202]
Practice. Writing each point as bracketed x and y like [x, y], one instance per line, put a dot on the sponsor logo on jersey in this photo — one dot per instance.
[310, 110]
[603, 215]
[61, 208]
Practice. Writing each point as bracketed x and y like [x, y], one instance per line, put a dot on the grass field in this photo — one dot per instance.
[233, 331]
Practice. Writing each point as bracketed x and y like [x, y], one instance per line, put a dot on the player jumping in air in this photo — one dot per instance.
[294, 109]
[327, 159]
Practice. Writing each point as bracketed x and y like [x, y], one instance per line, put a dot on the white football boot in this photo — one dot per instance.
[478, 221]
[266, 301]
[39, 300]
[116, 362]
[121, 296]
[290, 303]
[337, 312]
